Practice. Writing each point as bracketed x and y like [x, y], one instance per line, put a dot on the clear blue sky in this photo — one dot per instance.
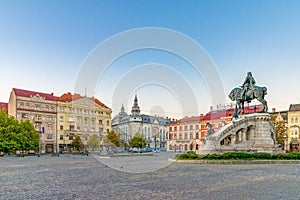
[44, 43]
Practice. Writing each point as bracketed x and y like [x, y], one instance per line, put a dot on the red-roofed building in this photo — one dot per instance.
[3, 106]
[40, 108]
[184, 134]
[82, 116]
[217, 118]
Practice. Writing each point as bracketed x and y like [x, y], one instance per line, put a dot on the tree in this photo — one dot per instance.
[137, 141]
[113, 138]
[16, 135]
[77, 144]
[94, 142]
[280, 129]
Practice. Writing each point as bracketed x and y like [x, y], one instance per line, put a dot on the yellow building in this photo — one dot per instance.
[82, 116]
[294, 127]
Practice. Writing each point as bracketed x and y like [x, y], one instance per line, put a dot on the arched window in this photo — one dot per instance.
[197, 147]
[292, 120]
[197, 135]
[296, 120]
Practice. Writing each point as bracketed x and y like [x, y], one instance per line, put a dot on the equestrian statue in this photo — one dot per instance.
[248, 92]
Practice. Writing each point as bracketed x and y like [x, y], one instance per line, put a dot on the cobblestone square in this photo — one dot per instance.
[84, 177]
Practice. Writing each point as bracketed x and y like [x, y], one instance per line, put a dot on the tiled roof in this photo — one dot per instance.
[294, 107]
[28, 93]
[190, 119]
[3, 106]
[218, 114]
[68, 97]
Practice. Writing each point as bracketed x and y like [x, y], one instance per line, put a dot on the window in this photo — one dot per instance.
[292, 120]
[71, 128]
[61, 137]
[185, 136]
[191, 127]
[49, 136]
[78, 128]
[37, 107]
[107, 122]
[185, 128]
[197, 127]
[24, 115]
[61, 118]
[170, 128]
[197, 135]
[71, 137]
[107, 130]
[180, 128]
[61, 127]
[296, 120]
[191, 136]
[100, 121]
[180, 136]
[175, 128]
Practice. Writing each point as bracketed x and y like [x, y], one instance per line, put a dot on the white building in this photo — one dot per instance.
[152, 128]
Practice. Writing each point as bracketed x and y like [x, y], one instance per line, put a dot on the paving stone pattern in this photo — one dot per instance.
[84, 177]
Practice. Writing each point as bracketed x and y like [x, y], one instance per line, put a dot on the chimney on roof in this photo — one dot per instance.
[211, 108]
[273, 110]
[69, 92]
[52, 94]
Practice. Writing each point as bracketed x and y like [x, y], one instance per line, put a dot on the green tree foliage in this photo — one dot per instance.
[94, 142]
[113, 138]
[137, 141]
[16, 135]
[77, 144]
[280, 128]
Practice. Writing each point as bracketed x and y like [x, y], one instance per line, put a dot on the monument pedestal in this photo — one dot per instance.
[249, 133]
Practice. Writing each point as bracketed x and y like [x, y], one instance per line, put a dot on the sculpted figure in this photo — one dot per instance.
[248, 86]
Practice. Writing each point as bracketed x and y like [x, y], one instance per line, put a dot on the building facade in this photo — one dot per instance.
[82, 116]
[152, 128]
[293, 127]
[41, 110]
[184, 134]
[3, 106]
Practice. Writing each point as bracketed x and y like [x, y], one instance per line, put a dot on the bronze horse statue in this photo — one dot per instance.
[257, 93]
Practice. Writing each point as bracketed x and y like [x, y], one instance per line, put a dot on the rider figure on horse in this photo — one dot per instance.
[248, 84]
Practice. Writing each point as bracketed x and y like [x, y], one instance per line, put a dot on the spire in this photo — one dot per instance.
[122, 109]
[135, 111]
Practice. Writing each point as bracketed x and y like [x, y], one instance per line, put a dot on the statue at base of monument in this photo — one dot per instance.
[210, 129]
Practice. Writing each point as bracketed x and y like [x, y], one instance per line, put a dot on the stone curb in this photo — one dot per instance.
[235, 162]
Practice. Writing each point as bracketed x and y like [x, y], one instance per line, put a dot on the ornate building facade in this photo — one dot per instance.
[152, 128]
[184, 134]
[40, 108]
[82, 116]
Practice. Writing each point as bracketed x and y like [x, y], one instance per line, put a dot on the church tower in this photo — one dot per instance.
[135, 111]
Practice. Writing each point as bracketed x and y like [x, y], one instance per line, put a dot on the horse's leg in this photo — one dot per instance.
[264, 103]
[243, 108]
